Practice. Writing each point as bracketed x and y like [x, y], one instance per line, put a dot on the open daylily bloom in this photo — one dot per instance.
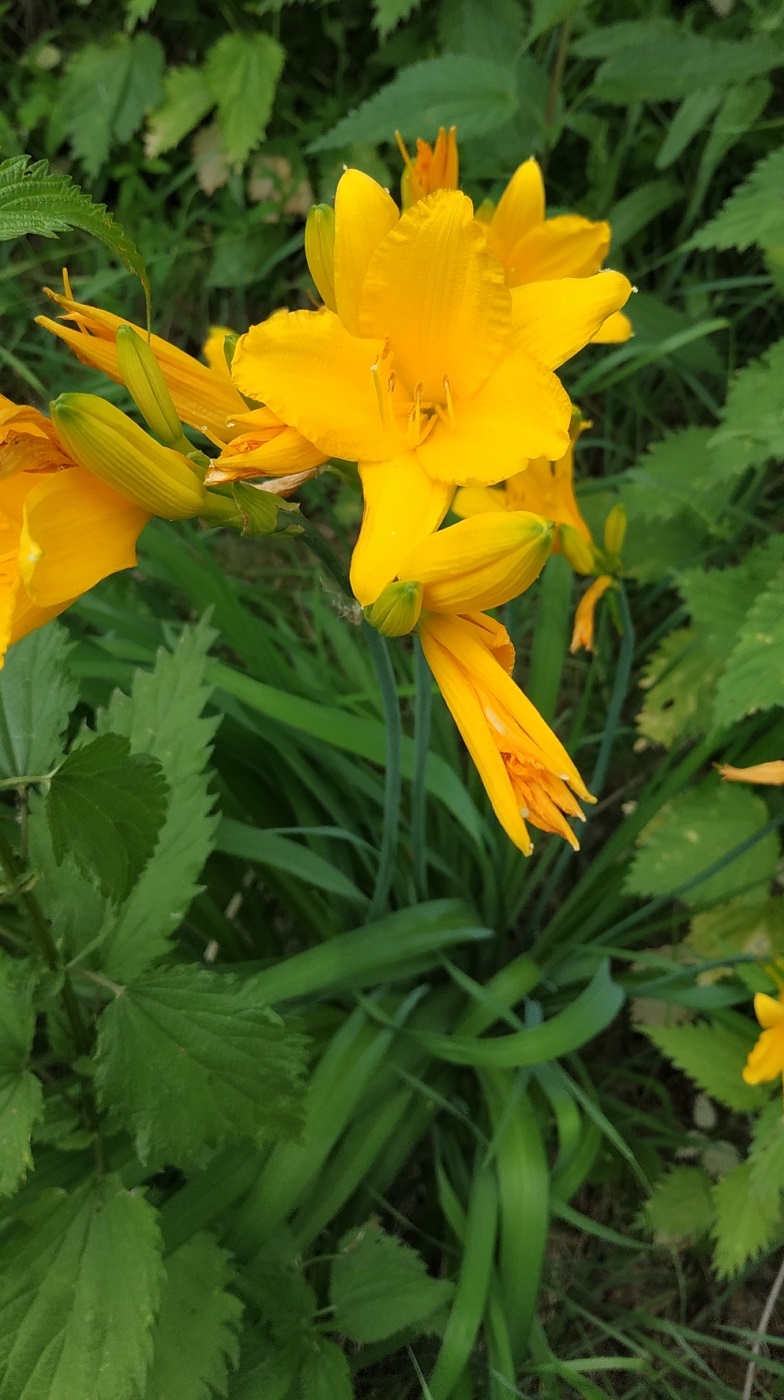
[203, 397]
[770, 774]
[431, 372]
[766, 1060]
[264, 446]
[435, 167]
[61, 529]
[526, 771]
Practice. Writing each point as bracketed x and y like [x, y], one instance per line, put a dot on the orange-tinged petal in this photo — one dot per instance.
[475, 500]
[481, 562]
[553, 320]
[582, 634]
[546, 488]
[319, 379]
[567, 246]
[403, 505]
[522, 411]
[520, 208]
[469, 717]
[76, 531]
[285, 453]
[766, 1059]
[614, 330]
[771, 774]
[19, 615]
[364, 215]
[438, 294]
[769, 1011]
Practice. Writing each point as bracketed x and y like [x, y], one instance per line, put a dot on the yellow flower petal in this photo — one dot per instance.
[520, 208]
[403, 505]
[76, 531]
[522, 411]
[319, 379]
[475, 500]
[582, 634]
[364, 215]
[614, 330]
[214, 351]
[771, 774]
[547, 489]
[769, 1011]
[766, 1059]
[481, 562]
[267, 447]
[567, 246]
[553, 320]
[436, 292]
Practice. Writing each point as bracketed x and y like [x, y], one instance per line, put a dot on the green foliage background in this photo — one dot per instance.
[253, 1142]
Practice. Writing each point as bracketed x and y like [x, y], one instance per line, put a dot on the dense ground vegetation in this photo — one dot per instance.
[494, 1139]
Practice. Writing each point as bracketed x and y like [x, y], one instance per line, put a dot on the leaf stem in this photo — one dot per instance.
[555, 85]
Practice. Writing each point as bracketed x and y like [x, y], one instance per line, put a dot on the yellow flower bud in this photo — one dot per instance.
[396, 610]
[320, 251]
[480, 562]
[107, 443]
[143, 378]
[577, 551]
[615, 530]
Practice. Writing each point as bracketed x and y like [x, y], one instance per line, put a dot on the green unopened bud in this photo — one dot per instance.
[577, 551]
[107, 443]
[146, 385]
[615, 530]
[320, 251]
[396, 610]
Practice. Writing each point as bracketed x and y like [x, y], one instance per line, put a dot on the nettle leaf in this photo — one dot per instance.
[680, 679]
[32, 200]
[37, 695]
[186, 101]
[753, 214]
[109, 89]
[190, 1058]
[476, 95]
[676, 474]
[739, 929]
[744, 1223]
[21, 1096]
[689, 121]
[752, 431]
[719, 599]
[325, 1373]
[713, 1054]
[754, 675]
[681, 1207]
[79, 1281]
[242, 72]
[766, 1154]
[697, 828]
[106, 806]
[195, 1337]
[387, 14]
[488, 28]
[163, 718]
[668, 69]
[380, 1286]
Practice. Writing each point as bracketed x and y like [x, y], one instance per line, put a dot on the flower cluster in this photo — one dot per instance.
[430, 364]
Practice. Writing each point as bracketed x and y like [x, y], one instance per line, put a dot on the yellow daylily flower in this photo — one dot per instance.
[203, 397]
[264, 446]
[435, 167]
[766, 1059]
[61, 529]
[582, 634]
[526, 771]
[770, 774]
[429, 361]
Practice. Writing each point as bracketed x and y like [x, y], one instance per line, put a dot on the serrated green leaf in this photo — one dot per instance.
[387, 14]
[242, 72]
[744, 1224]
[488, 28]
[106, 807]
[32, 200]
[766, 1155]
[740, 929]
[713, 1055]
[325, 1373]
[681, 1207]
[753, 214]
[186, 101]
[195, 1337]
[679, 680]
[79, 1281]
[109, 89]
[474, 94]
[668, 69]
[753, 678]
[676, 474]
[696, 829]
[606, 40]
[740, 110]
[37, 695]
[752, 430]
[191, 1059]
[695, 110]
[137, 12]
[163, 717]
[546, 14]
[379, 1286]
[21, 1096]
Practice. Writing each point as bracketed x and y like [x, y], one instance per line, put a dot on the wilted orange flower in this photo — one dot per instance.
[770, 774]
[435, 167]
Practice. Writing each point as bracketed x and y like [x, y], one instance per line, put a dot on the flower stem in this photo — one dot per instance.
[423, 705]
[325, 554]
[390, 831]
